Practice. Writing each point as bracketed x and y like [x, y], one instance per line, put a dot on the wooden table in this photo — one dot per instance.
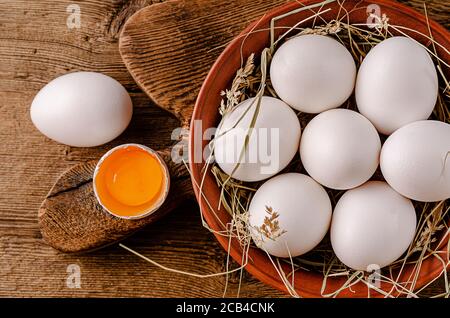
[36, 46]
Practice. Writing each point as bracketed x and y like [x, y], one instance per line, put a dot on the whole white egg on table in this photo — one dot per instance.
[82, 109]
[415, 161]
[313, 73]
[289, 215]
[396, 84]
[272, 143]
[340, 149]
[372, 225]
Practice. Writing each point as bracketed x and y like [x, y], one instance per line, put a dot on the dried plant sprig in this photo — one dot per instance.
[271, 226]
[236, 93]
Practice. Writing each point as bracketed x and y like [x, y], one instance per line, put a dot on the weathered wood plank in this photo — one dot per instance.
[35, 47]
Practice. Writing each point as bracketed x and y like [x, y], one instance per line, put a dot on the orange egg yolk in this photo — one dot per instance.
[130, 181]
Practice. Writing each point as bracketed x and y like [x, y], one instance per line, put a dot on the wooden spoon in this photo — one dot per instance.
[71, 219]
[168, 48]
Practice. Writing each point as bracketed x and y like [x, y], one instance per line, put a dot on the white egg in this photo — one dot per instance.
[372, 226]
[289, 215]
[313, 73]
[397, 84]
[340, 149]
[415, 161]
[82, 109]
[272, 142]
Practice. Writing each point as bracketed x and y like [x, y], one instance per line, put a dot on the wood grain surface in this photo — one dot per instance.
[175, 79]
[36, 46]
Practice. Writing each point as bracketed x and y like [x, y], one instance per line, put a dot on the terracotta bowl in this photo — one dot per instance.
[307, 283]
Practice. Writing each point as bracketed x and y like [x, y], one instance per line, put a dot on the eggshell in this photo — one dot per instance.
[372, 225]
[273, 140]
[82, 109]
[397, 84]
[313, 73]
[415, 161]
[340, 149]
[300, 210]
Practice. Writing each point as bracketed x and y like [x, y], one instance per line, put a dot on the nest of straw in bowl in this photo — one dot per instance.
[432, 233]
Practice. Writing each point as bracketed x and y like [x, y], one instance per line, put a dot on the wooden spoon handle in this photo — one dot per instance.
[71, 220]
[169, 47]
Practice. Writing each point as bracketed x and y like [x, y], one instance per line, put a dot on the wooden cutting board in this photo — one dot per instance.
[168, 48]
